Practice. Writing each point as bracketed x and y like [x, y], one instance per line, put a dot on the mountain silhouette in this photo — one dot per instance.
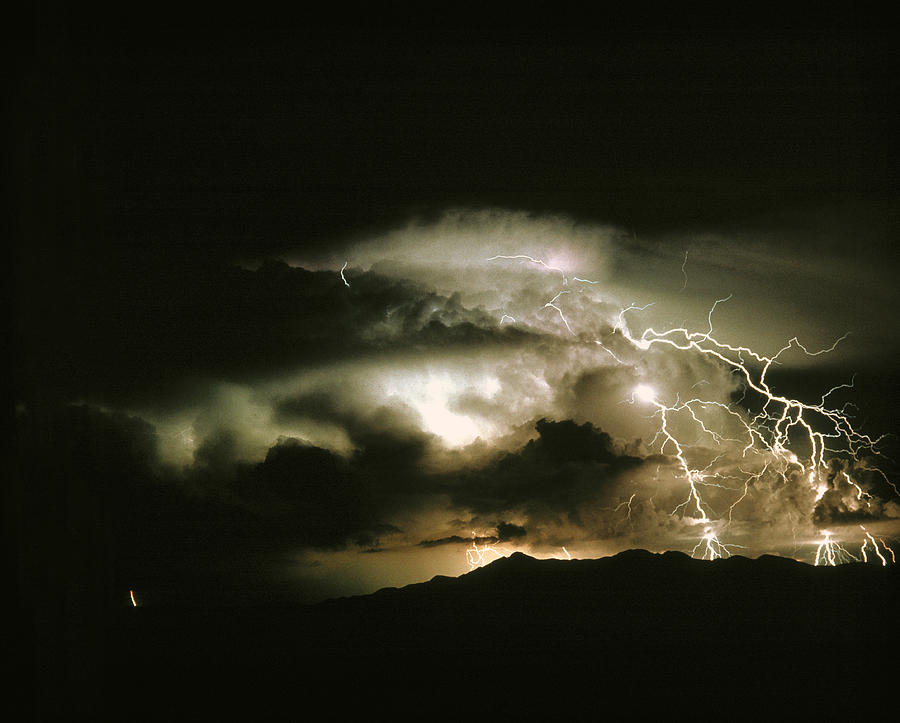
[660, 633]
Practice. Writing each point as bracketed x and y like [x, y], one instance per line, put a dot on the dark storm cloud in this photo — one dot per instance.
[87, 467]
[304, 496]
[155, 159]
[316, 404]
[389, 447]
[142, 336]
[186, 161]
[103, 510]
[507, 531]
[844, 503]
[103, 506]
[307, 496]
[457, 540]
[565, 468]
[364, 427]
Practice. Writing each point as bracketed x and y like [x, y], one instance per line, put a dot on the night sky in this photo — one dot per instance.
[205, 409]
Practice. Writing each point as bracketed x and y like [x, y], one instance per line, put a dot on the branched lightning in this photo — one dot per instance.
[552, 305]
[831, 552]
[826, 431]
[711, 548]
[831, 451]
[627, 505]
[479, 556]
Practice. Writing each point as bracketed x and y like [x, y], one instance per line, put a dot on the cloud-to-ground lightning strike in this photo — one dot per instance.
[488, 551]
[868, 538]
[833, 451]
[711, 548]
[830, 552]
[647, 395]
[768, 433]
[344, 278]
[480, 556]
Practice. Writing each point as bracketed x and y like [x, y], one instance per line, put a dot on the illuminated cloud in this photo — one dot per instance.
[478, 377]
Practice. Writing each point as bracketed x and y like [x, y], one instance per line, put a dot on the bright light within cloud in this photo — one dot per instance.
[433, 394]
[645, 393]
[455, 429]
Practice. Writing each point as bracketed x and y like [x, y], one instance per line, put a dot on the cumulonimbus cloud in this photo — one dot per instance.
[467, 379]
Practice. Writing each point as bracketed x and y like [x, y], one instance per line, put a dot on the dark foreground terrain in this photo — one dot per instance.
[620, 637]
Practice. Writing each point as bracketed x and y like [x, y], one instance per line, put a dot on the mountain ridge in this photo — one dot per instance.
[523, 632]
[663, 562]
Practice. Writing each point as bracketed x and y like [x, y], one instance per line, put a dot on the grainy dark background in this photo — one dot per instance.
[149, 145]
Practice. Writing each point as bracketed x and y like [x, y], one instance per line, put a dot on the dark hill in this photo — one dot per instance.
[656, 630]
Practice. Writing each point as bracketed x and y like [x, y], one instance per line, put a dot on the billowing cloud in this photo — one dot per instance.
[474, 381]
[507, 531]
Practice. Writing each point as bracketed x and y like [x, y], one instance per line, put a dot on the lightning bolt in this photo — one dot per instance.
[344, 278]
[533, 260]
[480, 556]
[711, 548]
[627, 505]
[830, 552]
[552, 305]
[868, 538]
[769, 431]
[766, 438]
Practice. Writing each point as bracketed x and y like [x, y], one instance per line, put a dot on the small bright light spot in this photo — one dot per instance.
[133, 601]
[489, 386]
[645, 393]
